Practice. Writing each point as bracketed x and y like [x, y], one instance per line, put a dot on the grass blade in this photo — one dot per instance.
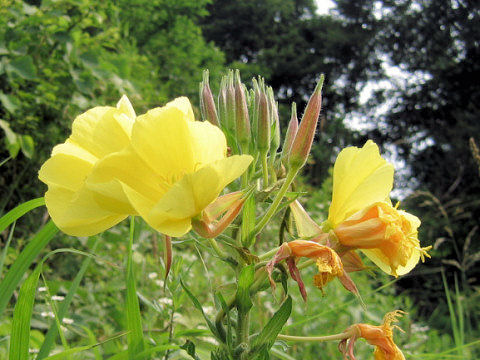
[20, 338]
[23, 262]
[134, 321]
[19, 211]
[62, 310]
[7, 245]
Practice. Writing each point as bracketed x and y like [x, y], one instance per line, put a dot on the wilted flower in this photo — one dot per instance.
[74, 207]
[379, 336]
[327, 260]
[173, 168]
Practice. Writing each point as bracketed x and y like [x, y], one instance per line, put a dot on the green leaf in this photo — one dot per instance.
[24, 260]
[10, 102]
[245, 281]
[12, 141]
[269, 333]
[5, 250]
[136, 342]
[189, 347]
[20, 337]
[19, 211]
[52, 333]
[27, 145]
[23, 67]
[198, 306]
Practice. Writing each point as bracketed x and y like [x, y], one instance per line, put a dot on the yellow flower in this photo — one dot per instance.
[74, 207]
[361, 214]
[379, 336]
[173, 168]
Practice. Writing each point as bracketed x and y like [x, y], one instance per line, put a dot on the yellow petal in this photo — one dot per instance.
[189, 196]
[379, 259]
[128, 168]
[65, 170]
[126, 107]
[77, 213]
[161, 137]
[360, 178]
[208, 142]
[101, 131]
[183, 104]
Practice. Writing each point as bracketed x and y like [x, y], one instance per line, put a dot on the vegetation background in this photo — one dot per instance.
[403, 73]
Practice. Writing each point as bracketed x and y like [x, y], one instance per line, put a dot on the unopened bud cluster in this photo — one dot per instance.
[250, 119]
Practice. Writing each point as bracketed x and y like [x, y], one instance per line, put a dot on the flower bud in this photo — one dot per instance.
[263, 131]
[290, 135]
[242, 121]
[230, 121]
[303, 140]
[222, 101]
[275, 124]
[207, 104]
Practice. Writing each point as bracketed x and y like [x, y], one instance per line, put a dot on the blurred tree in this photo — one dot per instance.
[290, 45]
[59, 58]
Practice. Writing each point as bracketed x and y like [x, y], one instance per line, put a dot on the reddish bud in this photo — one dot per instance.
[290, 135]
[306, 132]
[263, 124]
[207, 104]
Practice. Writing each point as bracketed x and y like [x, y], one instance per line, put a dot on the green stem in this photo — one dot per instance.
[265, 170]
[243, 325]
[213, 243]
[341, 336]
[269, 254]
[276, 202]
[306, 264]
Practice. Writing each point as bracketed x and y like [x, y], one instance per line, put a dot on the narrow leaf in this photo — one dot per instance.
[23, 262]
[134, 320]
[62, 310]
[269, 333]
[20, 337]
[245, 281]
[198, 306]
[19, 211]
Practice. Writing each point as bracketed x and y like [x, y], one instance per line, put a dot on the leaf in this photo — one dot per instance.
[136, 342]
[27, 145]
[20, 337]
[269, 333]
[10, 102]
[19, 211]
[52, 333]
[229, 337]
[245, 281]
[12, 141]
[189, 347]
[23, 67]
[24, 260]
[198, 306]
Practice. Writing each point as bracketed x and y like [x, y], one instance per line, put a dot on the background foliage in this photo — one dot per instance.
[58, 58]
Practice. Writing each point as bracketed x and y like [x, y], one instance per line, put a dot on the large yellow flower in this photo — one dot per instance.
[74, 207]
[173, 168]
[361, 214]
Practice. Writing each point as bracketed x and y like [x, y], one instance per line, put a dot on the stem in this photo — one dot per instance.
[341, 336]
[276, 202]
[265, 170]
[306, 264]
[269, 254]
[213, 243]
[243, 325]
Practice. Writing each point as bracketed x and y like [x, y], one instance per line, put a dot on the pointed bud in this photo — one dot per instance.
[290, 135]
[230, 122]
[275, 124]
[306, 227]
[207, 104]
[222, 101]
[255, 107]
[303, 141]
[242, 120]
[263, 131]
